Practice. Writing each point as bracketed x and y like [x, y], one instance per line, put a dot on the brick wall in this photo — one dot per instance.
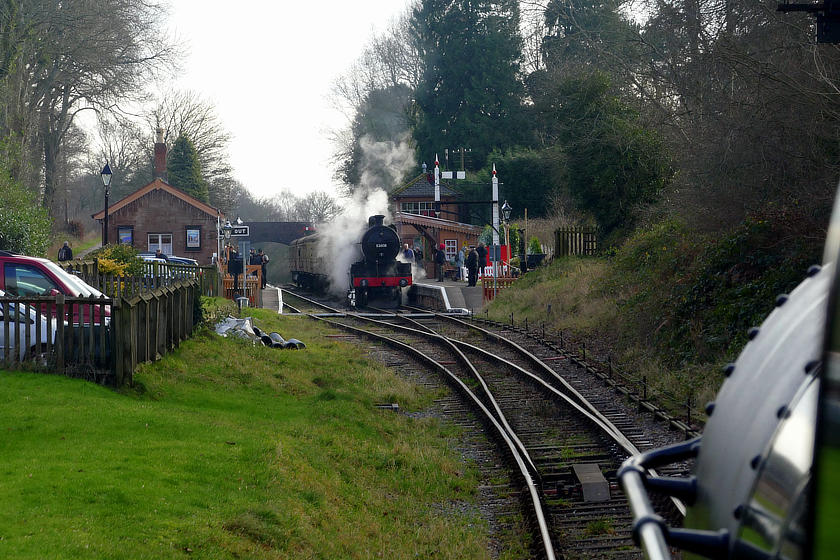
[160, 212]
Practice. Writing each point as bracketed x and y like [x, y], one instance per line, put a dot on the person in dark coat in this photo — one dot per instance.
[264, 266]
[161, 255]
[472, 267]
[65, 253]
[481, 250]
[440, 259]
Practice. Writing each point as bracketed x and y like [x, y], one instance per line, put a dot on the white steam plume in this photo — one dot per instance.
[383, 165]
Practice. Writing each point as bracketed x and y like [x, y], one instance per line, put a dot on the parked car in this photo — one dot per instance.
[24, 276]
[22, 319]
[172, 259]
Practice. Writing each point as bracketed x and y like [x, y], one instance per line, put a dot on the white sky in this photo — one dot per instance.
[268, 68]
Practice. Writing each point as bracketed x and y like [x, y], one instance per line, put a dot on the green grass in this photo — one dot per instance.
[670, 304]
[225, 450]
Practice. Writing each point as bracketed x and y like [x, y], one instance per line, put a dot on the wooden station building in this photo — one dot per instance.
[421, 224]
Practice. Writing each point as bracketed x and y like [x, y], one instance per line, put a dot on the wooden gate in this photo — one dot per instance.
[575, 240]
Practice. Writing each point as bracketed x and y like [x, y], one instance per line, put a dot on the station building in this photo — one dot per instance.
[160, 216]
[421, 223]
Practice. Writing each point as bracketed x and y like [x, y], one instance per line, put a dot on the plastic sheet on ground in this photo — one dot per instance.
[245, 328]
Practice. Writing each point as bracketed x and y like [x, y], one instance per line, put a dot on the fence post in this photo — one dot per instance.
[59, 333]
[6, 309]
[117, 349]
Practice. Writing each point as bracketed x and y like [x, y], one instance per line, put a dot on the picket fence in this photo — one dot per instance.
[575, 240]
[75, 337]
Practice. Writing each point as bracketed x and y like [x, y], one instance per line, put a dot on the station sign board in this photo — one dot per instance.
[240, 231]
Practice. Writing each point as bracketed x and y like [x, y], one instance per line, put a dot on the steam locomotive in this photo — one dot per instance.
[767, 467]
[377, 277]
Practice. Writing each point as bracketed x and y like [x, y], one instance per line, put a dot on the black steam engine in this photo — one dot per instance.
[379, 276]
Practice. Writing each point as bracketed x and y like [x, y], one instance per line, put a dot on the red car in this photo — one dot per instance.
[23, 276]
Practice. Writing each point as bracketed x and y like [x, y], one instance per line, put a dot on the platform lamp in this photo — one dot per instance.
[226, 231]
[506, 210]
[106, 181]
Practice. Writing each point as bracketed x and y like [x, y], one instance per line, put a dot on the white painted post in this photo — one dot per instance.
[495, 227]
[437, 181]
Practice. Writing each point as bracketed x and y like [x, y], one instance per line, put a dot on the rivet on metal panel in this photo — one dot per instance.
[710, 407]
[781, 299]
[753, 332]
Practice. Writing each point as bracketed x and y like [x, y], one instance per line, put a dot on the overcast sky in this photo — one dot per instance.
[268, 69]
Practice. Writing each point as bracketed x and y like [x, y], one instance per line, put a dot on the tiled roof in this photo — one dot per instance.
[422, 185]
[428, 221]
[158, 184]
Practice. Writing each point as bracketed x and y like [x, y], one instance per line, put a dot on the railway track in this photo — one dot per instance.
[563, 442]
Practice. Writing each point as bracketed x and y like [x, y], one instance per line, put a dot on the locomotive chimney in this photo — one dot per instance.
[376, 220]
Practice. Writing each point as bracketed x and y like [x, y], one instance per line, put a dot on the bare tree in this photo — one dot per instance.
[186, 113]
[318, 207]
[78, 56]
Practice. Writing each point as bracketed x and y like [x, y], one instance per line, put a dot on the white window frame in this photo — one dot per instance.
[450, 246]
[159, 241]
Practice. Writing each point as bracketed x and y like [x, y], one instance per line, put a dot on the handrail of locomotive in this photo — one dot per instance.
[649, 529]
[542, 523]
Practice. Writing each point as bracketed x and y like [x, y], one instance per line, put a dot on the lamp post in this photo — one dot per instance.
[226, 230]
[106, 181]
[506, 210]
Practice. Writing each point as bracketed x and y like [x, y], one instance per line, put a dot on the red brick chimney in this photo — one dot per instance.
[160, 156]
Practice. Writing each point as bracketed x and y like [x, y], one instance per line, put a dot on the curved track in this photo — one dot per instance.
[546, 425]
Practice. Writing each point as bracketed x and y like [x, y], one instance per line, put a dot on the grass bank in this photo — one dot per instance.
[669, 305]
[225, 450]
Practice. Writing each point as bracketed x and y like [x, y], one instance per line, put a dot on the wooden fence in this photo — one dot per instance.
[491, 288]
[155, 275]
[575, 240]
[56, 334]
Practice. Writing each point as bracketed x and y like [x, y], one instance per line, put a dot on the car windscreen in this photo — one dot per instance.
[83, 289]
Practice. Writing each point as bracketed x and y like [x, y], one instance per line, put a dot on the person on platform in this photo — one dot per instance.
[472, 267]
[235, 267]
[440, 260]
[481, 250]
[408, 254]
[264, 266]
[459, 262]
[160, 255]
[65, 253]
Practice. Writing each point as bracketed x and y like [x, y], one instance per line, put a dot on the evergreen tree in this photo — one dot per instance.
[184, 170]
[470, 94]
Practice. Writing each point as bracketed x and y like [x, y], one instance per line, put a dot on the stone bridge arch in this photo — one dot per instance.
[278, 232]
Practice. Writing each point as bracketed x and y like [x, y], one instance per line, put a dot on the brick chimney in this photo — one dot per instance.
[160, 156]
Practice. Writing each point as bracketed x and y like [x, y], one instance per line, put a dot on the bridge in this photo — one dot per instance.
[278, 232]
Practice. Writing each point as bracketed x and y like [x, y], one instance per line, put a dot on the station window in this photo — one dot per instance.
[451, 248]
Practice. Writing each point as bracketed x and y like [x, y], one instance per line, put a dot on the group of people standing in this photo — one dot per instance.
[471, 257]
[260, 259]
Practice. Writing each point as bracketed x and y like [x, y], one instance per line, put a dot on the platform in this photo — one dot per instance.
[449, 295]
[272, 298]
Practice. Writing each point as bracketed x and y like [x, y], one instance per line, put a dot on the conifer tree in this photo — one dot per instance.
[470, 94]
[184, 170]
